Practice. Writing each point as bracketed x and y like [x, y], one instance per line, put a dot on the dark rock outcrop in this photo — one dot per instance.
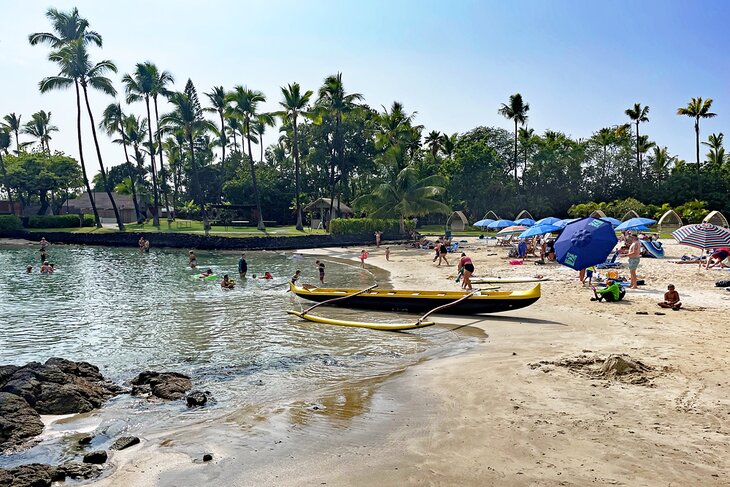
[96, 457]
[18, 421]
[124, 442]
[165, 385]
[196, 398]
[41, 475]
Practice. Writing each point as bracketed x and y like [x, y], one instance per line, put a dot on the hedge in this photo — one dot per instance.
[367, 226]
[89, 221]
[10, 222]
[53, 221]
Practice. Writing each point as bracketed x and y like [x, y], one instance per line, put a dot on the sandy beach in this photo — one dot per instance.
[529, 406]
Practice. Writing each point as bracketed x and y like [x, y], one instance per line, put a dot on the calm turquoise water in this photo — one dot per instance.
[127, 312]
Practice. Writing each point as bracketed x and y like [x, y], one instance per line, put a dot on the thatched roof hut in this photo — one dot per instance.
[716, 218]
[669, 220]
[457, 221]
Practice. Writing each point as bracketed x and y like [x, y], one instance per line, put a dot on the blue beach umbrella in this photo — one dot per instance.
[528, 222]
[634, 223]
[501, 224]
[563, 223]
[551, 220]
[483, 223]
[613, 221]
[539, 230]
[584, 243]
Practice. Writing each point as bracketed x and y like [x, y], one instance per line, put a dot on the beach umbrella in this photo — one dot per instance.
[634, 224]
[585, 243]
[528, 222]
[539, 230]
[551, 220]
[613, 221]
[512, 230]
[483, 223]
[562, 223]
[703, 236]
[501, 224]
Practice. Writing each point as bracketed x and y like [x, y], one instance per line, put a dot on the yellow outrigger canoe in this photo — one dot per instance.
[359, 324]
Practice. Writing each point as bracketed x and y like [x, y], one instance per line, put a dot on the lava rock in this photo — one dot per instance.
[18, 421]
[30, 475]
[196, 398]
[207, 457]
[76, 470]
[96, 457]
[124, 442]
[165, 385]
[86, 439]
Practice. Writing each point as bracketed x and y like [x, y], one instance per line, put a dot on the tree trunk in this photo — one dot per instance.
[102, 171]
[97, 220]
[224, 139]
[235, 141]
[7, 186]
[197, 190]
[335, 159]
[697, 148]
[260, 225]
[300, 225]
[44, 202]
[131, 178]
[155, 193]
[517, 187]
[17, 141]
[162, 164]
[638, 153]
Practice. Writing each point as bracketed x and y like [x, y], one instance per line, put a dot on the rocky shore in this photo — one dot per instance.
[59, 387]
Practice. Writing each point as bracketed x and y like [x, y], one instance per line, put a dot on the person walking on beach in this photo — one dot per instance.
[363, 256]
[442, 251]
[320, 268]
[634, 256]
[466, 266]
[192, 259]
[378, 236]
[242, 266]
[387, 253]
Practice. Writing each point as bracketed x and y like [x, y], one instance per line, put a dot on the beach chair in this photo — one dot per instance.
[611, 263]
[505, 241]
[453, 247]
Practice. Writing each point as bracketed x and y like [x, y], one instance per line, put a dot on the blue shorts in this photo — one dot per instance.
[634, 263]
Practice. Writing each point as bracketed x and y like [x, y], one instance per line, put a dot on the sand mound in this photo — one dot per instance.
[617, 367]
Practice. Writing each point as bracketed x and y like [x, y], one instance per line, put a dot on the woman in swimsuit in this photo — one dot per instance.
[467, 266]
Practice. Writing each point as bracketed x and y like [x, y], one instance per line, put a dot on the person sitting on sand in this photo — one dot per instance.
[671, 299]
[717, 258]
[227, 283]
[550, 250]
[611, 293]
[522, 249]
[295, 278]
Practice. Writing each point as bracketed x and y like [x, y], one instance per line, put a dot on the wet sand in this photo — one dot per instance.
[524, 408]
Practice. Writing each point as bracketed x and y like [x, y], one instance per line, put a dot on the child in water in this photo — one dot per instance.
[320, 268]
[206, 273]
[227, 283]
[192, 259]
[363, 256]
[671, 299]
[387, 253]
[295, 278]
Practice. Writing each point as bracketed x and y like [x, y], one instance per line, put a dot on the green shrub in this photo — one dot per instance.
[53, 221]
[10, 222]
[89, 221]
[368, 226]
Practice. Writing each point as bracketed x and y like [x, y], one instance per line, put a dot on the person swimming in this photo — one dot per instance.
[29, 269]
[227, 283]
[206, 273]
[267, 275]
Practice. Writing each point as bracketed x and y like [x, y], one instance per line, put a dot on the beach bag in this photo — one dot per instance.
[722, 284]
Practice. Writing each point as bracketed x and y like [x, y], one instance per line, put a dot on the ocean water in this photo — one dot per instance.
[126, 312]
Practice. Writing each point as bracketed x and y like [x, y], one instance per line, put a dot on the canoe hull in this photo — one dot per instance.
[359, 324]
[488, 302]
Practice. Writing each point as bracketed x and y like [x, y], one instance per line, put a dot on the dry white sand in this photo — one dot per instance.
[526, 407]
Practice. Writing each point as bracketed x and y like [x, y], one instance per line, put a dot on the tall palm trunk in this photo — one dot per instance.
[197, 190]
[261, 146]
[159, 148]
[137, 213]
[300, 225]
[697, 150]
[7, 186]
[102, 171]
[81, 156]
[223, 136]
[235, 142]
[335, 159]
[638, 153]
[260, 225]
[156, 195]
[517, 187]
[17, 142]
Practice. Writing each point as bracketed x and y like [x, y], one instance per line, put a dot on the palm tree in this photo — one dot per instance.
[262, 121]
[335, 103]
[697, 109]
[233, 124]
[661, 162]
[112, 121]
[516, 110]
[638, 114]
[160, 83]
[140, 86]
[217, 98]
[40, 127]
[12, 124]
[245, 102]
[294, 104]
[187, 117]
[448, 144]
[433, 141]
[527, 139]
[71, 27]
[4, 144]
[716, 156]
[76, 69]
[405, 196]
[644, 144]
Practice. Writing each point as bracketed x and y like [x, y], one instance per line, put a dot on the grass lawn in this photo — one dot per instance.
[192, 227]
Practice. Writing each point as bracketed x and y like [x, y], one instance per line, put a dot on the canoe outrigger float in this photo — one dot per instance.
[448, 302]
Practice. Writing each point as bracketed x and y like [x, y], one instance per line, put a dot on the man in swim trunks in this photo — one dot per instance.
[44, 243]
[242, 266]
[718, 257]
[634, 256]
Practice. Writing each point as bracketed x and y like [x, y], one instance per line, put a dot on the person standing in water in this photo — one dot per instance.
[140, 244]
[146, 247]
[44, 243]
[242, 266]
[320, 268]
[192, 259]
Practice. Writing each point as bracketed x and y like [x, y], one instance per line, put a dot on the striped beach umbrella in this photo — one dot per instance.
[702, 236]
[512, 230]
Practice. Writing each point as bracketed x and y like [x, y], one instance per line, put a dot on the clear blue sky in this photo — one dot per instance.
[579, 64]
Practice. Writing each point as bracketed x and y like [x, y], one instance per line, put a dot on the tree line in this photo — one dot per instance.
[330, 143]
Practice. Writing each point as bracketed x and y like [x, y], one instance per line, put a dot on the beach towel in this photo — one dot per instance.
[722, 284]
